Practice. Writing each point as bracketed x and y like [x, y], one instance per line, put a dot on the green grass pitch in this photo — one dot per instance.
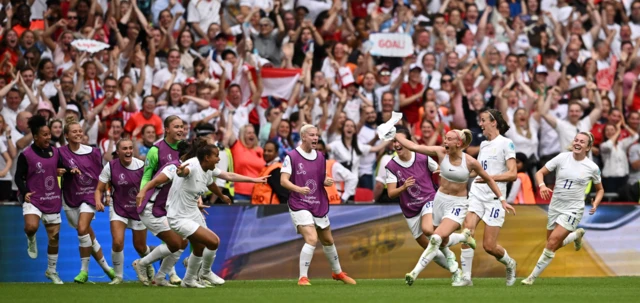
[546, 290]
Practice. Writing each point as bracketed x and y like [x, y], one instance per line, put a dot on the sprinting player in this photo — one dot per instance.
[37, 180]
[450, 203]
[409, 176]
[151, 206]
[574, 170]
[83, 164]
[303, 173]
[190, 180]
[123, 174]
[159, 155]
[497, 158]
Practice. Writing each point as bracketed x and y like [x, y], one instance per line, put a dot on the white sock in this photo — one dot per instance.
[160, 252]
[306, 254]
[570, 238]
[85, 264]
[425, 258]
[103, 263]
[208, 256]
[332, 256]
[441, 260]
[52, 260]
[146, 252]
[543, 262]
[95, 246]
[506, 260]
[455, 239]
[117, 257]
[168, 262]
[466, 262]
[192, 268]
[31, 238]
[447, 252]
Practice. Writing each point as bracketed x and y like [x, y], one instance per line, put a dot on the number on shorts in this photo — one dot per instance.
[567, 182]
[484, 164]
[495, 212]
[571, 220]
[456, 211]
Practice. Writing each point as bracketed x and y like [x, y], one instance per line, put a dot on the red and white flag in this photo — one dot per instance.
[277, 82]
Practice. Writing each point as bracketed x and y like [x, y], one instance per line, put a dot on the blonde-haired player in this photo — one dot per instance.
[450, 203]
[304, 174]
[574, 170]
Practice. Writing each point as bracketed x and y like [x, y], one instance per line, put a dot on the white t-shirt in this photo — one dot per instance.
[567, 131]
[204, 13]
[549, 143]
[352, 109]
[368, 161]
[391, 178]
[182, 202]
[164, 75]
[572, 178]
[634, 155]
[381, 176]
[15, 137]
[527, 146]
[493, 158]
[343, 154]
[286, 164]
[203, 114]
[342, 174]
[3, 164]
[105, 175]
[614, 157]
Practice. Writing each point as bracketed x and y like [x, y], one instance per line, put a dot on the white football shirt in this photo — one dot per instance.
[182, 202]
[572, 179]
[493, 158]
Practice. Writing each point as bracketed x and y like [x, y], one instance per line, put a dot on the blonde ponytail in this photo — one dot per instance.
[465, 136]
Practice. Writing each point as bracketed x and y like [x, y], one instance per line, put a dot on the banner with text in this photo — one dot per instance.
[391, 45]
[373, 241]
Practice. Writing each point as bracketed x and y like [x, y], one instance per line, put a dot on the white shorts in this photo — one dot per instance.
[567, 219]
[30, 209]
[73, 214]
[131, 224]
[449, 207]
[415, 223]
[305, 218]
[185, 227]
[491, 211]
[153, 224]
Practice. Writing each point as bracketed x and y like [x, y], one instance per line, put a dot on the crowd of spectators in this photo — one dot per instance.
[552, 67]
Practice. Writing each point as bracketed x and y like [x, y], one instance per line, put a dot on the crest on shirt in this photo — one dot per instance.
[512, 146]
[72, 164]
[133, 192]
[169, 158]
[122, 180]
[301, 170]
[39, 168]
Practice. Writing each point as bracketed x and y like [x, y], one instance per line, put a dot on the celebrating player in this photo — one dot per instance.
[409, 176]
[191, 180]
[151, 205]
[37, 180]
[161, 154]
[123, 174]
[574, 170]
[450, 203]
[83, 164]
[497, 158]
[303, 173]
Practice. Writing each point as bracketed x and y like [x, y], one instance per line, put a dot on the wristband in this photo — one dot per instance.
[541, 185]
[501, 198]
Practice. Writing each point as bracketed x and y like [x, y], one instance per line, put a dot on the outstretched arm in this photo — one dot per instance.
[427, 150]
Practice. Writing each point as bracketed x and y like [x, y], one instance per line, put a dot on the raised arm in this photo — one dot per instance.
[543, 108]
[433, 151]
[595, 113]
